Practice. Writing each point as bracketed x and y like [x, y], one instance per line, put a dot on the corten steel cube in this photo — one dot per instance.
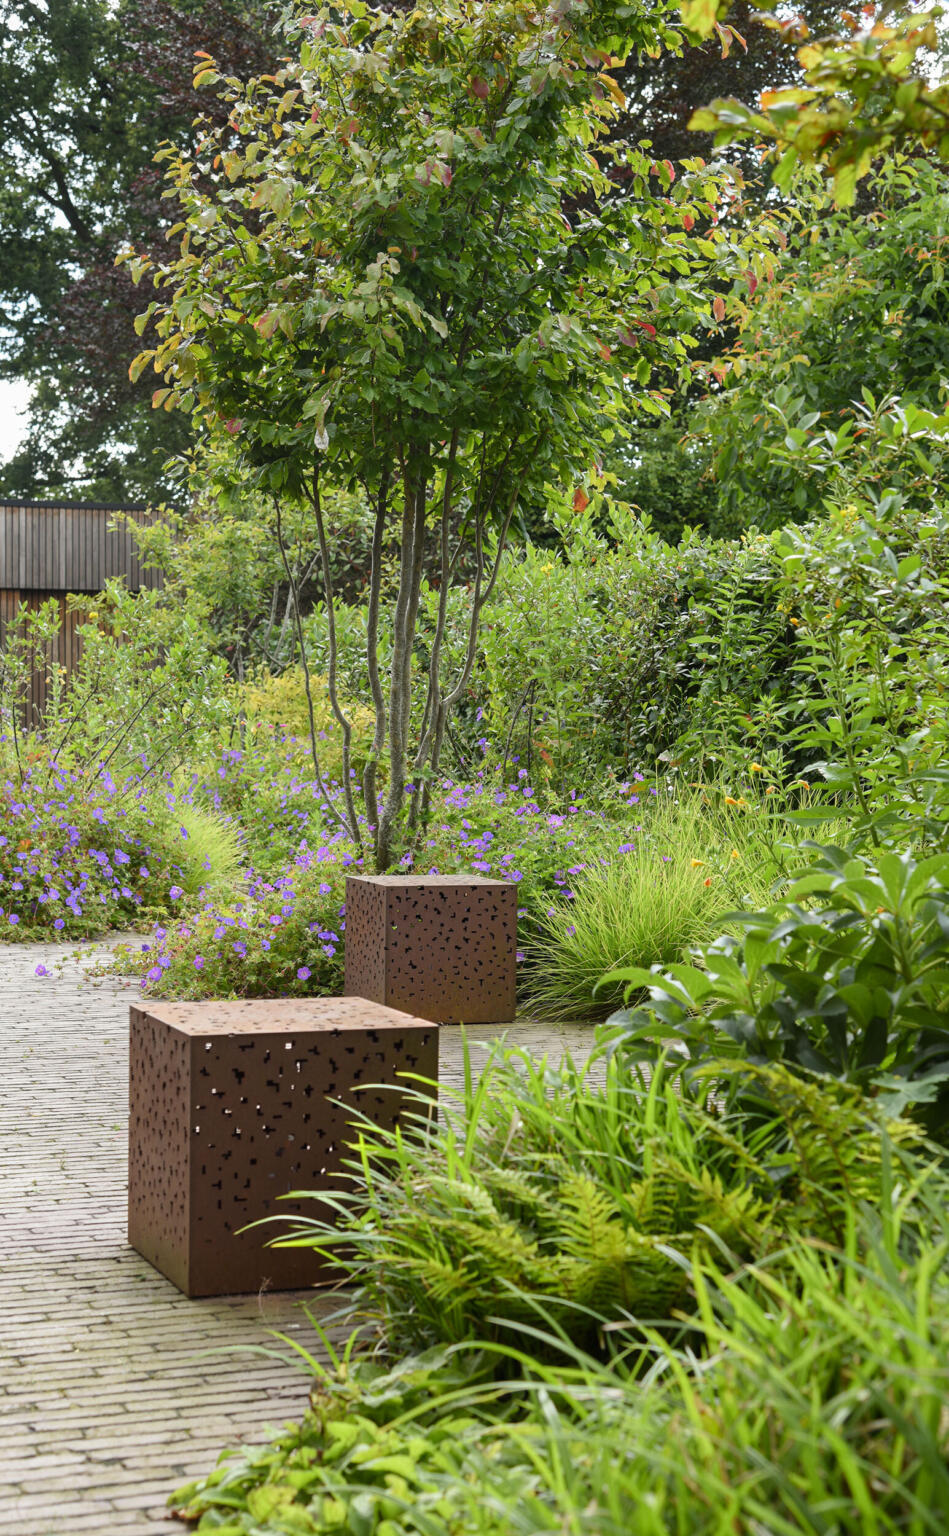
[443, 947]
[230, 1107]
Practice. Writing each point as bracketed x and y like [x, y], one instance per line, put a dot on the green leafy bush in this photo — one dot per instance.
[278, 704]
[857, 308]
[868, 593]
[637, 644]
[853, 985]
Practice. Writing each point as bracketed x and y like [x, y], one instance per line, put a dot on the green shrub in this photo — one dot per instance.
[854, 985]
[606, 656]
[277, 703]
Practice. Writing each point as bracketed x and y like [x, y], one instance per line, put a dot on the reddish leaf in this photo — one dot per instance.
[580, 499]
[605, 351]
[480, 88]
[688, 222]
[670, 169]
[718, 307]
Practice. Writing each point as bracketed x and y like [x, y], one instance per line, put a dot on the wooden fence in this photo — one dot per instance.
[55, 550]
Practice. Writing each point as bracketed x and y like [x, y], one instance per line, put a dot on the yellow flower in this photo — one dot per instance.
[697, 863]
[742, 800]
[795, 622]
[757, 768]
[772, 789]
[730, 800]
[735, 853]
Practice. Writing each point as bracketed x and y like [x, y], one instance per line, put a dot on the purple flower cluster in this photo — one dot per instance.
[81, 852]
[285, 933]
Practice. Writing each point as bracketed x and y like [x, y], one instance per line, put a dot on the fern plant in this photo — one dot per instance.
[582, 1195]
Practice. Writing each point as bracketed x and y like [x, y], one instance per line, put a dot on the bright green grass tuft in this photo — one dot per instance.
[205, 847]
[690, 865]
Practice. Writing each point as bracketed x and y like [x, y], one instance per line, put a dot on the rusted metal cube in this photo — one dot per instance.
[231, 1106]
[443, 947]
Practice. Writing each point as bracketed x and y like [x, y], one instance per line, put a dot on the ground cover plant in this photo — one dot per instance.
[803, 1385]
[574, 1191]
[82, 852]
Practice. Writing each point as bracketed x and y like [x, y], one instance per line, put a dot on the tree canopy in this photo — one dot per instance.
[87, 90]
[403, 265]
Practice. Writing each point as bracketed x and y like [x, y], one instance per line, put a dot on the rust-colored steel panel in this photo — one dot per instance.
[230, 1108]
[443, 947]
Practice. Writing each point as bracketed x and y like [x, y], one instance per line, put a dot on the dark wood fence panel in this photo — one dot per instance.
[54, 549]
[68, 548]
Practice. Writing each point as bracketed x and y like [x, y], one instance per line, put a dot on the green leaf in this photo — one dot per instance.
[699, 16]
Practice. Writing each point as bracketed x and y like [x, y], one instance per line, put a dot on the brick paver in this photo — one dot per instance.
[113, 1387]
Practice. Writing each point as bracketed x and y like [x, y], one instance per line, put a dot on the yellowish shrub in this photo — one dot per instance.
[277, 703]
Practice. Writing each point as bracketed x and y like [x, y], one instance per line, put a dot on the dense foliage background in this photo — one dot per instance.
[689, 692]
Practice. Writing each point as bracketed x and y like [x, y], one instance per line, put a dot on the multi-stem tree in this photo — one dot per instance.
[404, 266]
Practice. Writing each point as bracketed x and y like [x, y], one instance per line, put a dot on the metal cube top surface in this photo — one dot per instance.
[442, 947]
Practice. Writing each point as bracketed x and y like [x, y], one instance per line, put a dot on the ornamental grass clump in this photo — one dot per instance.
[203, 847]
[686, 865]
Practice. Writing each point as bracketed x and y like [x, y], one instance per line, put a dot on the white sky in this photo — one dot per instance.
[14, 394]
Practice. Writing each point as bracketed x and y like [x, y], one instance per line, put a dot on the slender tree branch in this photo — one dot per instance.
[345, 723]
[370, 772]
[314, 752]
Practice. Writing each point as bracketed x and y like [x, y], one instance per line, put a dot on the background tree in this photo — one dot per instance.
[379, 284]
[870, 84]
[858, 313]
[86, 91]
[745, 57]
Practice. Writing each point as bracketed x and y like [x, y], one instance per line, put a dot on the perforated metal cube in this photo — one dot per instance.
[230, 1108]
[443, 947]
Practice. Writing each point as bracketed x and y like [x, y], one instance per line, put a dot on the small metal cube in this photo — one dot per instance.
[230, 1107]
[442, 947]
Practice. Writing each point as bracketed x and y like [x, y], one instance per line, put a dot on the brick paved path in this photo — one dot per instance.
[113, 1387]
